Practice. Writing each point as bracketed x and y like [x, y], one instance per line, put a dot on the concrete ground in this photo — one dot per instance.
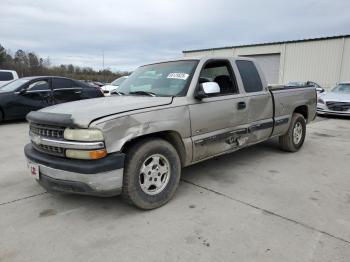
[258, 204]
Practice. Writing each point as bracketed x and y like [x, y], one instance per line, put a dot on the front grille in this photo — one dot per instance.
[51, 150]
[47, 131]
[338, 106]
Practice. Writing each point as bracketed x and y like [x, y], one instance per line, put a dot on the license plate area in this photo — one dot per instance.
[34, 170]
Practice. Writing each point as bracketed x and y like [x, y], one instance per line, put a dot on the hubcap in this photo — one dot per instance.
[297, 133]
[154, 174]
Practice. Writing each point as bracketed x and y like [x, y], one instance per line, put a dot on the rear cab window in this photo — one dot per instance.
[250, 76]
[6, 76]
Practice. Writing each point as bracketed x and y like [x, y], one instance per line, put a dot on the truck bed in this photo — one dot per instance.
[287, 99]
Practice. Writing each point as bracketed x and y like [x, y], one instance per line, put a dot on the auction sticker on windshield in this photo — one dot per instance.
[182, 76]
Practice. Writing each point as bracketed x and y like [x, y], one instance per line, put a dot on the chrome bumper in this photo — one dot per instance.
[100, 184]
[330, 112]
[322, 109]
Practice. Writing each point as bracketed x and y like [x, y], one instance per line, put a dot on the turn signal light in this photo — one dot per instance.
[97, 154]
[85, 154]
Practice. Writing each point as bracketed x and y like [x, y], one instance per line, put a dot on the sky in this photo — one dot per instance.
[132, 32]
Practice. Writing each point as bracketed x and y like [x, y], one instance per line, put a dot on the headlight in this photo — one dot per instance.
[85, 154]
[83, 134]
[320, 100]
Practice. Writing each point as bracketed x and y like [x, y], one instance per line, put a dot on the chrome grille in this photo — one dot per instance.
[51, 132]
[47, 131]
[51, 150]
[338, 106]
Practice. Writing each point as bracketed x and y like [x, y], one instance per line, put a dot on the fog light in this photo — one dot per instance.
[84, 154]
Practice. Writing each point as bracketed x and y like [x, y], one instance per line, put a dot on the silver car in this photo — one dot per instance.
[336, 101]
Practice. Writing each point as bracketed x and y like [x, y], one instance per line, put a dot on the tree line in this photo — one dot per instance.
[30, 64]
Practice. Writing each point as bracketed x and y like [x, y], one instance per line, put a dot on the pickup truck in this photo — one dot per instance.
[165, 116]
[6, 76]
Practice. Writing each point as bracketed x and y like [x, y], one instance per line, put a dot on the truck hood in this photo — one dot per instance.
[82, 113]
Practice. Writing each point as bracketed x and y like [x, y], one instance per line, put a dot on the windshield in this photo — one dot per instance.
[164, 79]
[14, 85]
[118, 81]
[342, 88]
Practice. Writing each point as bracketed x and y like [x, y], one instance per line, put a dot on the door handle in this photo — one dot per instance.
[77, 92]
[241, 105]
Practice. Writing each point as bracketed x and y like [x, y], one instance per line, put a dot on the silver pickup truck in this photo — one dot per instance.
[165, 116]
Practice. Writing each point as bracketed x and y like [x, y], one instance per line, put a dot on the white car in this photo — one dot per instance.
[336, 101]
[107, 89]
[6, 76]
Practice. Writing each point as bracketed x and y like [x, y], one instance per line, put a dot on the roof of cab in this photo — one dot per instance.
[200, 58]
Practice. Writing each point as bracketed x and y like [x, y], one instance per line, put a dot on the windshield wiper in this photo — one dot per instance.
[143, 93]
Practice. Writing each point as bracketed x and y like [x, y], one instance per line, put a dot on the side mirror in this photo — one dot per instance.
[22, 91]
[319, 90]
[206, 89]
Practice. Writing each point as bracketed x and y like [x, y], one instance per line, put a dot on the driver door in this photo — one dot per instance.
[217, 120]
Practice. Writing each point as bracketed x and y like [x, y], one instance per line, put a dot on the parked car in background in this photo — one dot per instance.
[319, 89]
[23, 95]
[6, 76]
[107, 89]
[336, 101]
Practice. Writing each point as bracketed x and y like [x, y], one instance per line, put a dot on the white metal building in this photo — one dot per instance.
[325, 60]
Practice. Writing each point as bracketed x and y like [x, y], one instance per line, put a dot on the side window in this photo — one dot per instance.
[59, 83]
[6, 76]
[221, 73]
[41, 85]
[250, 76]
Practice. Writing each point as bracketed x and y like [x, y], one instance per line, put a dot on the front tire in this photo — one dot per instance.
[293, 140]
[152, 173]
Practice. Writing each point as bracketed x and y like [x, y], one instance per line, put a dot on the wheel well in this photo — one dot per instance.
[302, 110]
[172, 137]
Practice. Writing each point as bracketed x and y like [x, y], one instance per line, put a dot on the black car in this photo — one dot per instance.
[23, 95]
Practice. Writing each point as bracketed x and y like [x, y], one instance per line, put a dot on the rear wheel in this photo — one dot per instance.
[1, 116]
[293, 140]
[152, 173]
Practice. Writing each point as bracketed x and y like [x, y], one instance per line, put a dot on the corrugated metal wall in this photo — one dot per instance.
[345, 68]
[326, 62]
[318, 61]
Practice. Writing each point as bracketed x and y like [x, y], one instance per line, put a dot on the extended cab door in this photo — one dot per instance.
[259, 101]
[217, 121]
[65, 90]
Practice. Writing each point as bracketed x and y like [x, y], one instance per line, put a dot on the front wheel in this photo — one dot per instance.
[152, 173]
[293, 140]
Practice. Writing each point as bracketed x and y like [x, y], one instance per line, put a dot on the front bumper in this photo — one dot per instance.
[102, 177]
[322, 109]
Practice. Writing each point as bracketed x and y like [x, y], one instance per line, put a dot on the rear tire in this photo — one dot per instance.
[293, 140]
[1, 117]
[152, 173]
